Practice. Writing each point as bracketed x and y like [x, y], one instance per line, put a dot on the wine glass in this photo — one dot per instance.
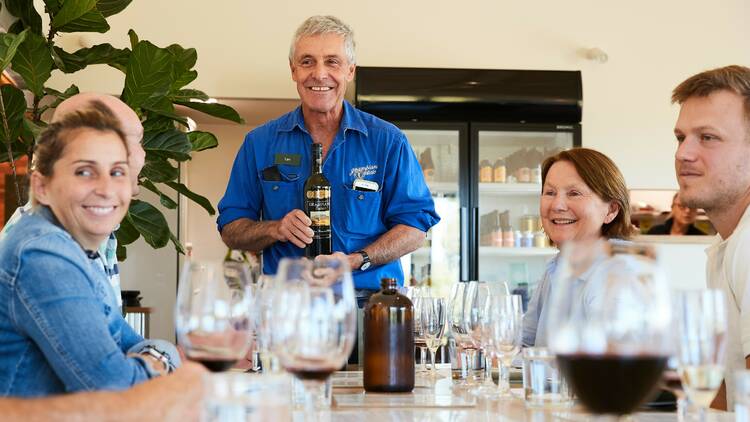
[610, 323]
[213, 313]
[504, 329]
[701, 318]
[433, 314]
[462, 299]
[263, 322]
[416, 295]
[315, 322]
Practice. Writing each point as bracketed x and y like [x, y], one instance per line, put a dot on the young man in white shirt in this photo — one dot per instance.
[712, 163]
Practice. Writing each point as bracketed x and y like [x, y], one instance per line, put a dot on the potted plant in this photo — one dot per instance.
[156, 80]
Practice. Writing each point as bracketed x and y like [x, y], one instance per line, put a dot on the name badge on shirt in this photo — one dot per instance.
[286, 159]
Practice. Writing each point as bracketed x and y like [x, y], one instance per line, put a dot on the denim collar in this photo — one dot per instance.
[350, 120]
[46, 213]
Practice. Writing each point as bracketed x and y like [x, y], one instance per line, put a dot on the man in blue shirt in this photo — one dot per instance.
[262, 207]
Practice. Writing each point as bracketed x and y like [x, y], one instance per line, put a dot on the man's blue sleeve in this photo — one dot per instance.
[408, 199]
[243, 197]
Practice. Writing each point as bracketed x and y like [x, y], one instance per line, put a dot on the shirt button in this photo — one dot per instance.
[360, 197]
[275, 187]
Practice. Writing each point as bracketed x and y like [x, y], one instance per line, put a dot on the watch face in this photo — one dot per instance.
[365, 265]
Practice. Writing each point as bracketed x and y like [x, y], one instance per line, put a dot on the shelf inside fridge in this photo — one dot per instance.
[493, 251]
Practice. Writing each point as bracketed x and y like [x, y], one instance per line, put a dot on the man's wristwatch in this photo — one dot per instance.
[365, 260]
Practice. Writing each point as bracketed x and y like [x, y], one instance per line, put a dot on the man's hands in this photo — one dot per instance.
[295, 228]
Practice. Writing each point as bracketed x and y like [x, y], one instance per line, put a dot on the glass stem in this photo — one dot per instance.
[423, 357]
[470, 356]
[488, 370]
[503, 382]
[432, 360]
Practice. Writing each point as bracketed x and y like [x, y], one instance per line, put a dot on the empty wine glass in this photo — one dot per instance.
[212, 313]
[416, 295]
[315, 322]
[263, 322]
[504, 328]
[609, 323]
[701, 319]
[434, 313]
[463, 298]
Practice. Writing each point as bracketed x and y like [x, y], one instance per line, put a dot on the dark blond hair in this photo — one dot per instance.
[603, 177]
[52, 142]
[732, 78]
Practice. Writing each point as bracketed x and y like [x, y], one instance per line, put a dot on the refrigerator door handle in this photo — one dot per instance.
[474, 251]
[465, 236]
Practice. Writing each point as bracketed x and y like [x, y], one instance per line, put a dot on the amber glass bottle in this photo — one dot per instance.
[389, 340]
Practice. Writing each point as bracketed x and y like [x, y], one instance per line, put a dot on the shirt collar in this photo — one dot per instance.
[350, 120]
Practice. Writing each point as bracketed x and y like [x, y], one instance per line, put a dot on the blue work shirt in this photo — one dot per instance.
[365, 146]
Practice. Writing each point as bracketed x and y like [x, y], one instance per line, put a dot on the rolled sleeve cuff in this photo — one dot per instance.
[422, 221]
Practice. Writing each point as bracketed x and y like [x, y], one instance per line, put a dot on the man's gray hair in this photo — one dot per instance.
[319, 25]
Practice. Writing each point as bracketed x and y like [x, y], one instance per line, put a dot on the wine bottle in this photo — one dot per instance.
[318, 206]
[389, 341]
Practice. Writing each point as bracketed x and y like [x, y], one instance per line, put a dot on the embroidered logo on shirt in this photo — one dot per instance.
[361, 172]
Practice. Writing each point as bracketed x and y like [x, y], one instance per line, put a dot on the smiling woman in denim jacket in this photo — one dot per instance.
[60, 328]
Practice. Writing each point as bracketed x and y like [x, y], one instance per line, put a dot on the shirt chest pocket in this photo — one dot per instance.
[362, 212]
[280, 197]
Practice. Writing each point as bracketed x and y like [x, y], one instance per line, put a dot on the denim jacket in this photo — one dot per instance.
[59, 328]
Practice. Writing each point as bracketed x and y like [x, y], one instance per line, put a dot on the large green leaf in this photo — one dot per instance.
[126, 233]
[184, 59]
[71, 11]
[177, 244]
[8, 46]
[157, 123]
[30, 131]
[33, 62]
[188, 94]
[158, 170]
[164, 107]
[92, 21]
[163, 198]
[202, 140]
[98, 54]
[171, 144]
[149, 222]
[12, 109]
[52, 6]
[24, 10]
[111, 7]
[198, 199]
[133, 39]
[148, 76]
[62, 96]
[214, 109]
[18, 149]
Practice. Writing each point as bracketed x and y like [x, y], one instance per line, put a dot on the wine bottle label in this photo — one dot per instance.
[318, 205]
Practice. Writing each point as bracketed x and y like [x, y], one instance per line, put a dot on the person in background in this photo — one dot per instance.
[584, 196]
[262, 207]
[176, 397]
[680, 222]
[133, 130]
[59, 328]
[712, 163]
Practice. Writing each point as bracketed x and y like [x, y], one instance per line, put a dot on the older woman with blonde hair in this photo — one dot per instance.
[60, 328]
[584, 197]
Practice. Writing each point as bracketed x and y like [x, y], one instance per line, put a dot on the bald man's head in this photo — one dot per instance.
[129, 123]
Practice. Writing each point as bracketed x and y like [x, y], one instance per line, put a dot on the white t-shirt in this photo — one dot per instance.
[728, 269]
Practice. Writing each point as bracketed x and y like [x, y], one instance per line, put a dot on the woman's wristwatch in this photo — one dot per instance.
[158, 355]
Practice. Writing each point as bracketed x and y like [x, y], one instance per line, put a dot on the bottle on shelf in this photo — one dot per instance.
[508, 237]
[499, 171]
[485, 171]
[317, 200]
[388, 341]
